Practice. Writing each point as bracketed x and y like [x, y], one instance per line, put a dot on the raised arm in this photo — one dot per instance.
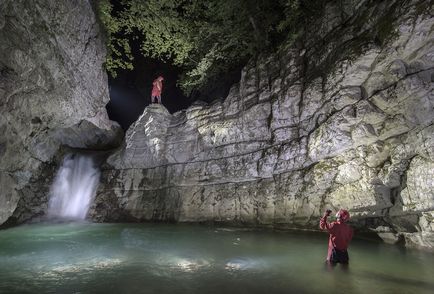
[323, 224]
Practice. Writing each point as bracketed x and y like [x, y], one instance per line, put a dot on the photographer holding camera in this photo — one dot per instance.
[340, 236]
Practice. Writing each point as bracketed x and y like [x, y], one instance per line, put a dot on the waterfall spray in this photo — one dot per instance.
[74, 187]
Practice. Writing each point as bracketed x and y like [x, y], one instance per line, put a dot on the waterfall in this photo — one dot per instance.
[74, 187]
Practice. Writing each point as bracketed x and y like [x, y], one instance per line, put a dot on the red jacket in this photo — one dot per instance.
[157, 88]
[340, 234]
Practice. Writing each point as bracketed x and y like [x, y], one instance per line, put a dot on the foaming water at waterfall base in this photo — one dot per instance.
[74, 187]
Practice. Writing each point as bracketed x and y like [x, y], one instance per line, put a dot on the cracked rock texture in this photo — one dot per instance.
[53, 92]
[343, 118]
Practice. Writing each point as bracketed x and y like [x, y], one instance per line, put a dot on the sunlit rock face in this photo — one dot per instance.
[342, 120]
[52, 93]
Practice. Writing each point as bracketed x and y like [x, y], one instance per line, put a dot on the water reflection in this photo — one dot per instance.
[245, 264]
[126, 258]
[191, 265]
[397, 281]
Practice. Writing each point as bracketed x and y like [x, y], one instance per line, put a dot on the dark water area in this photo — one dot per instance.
[158, 258]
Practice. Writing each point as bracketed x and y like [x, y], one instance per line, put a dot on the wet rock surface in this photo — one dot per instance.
[344, 119]
[53, 91]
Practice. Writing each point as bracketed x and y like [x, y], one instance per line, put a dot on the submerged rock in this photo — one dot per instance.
[53, 91]
[306, 129]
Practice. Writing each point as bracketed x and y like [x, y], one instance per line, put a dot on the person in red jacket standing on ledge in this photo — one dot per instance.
[340, 236]
[157, 88]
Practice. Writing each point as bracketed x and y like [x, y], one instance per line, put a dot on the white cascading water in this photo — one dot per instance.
[74, 187]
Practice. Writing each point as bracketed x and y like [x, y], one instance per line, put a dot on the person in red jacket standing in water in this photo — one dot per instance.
[157, 88]
[340, 236]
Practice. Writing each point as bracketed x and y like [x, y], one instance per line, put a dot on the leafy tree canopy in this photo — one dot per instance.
[206, 38]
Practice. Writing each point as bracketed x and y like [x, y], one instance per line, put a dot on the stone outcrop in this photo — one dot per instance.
[53, 91]
[342, 119]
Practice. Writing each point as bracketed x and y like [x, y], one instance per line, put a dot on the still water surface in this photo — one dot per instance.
[156, 258]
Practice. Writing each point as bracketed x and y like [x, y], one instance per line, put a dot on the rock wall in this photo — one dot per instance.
[343, 118]
[53, 91]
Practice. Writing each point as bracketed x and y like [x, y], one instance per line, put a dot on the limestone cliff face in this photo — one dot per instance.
[52, 93]
[344, 119]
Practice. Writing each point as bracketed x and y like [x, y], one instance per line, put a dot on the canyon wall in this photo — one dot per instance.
[53, 92]
[342, 118]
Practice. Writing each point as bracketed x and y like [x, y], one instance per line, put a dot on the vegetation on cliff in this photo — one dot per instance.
[209, 39]
[205, 38]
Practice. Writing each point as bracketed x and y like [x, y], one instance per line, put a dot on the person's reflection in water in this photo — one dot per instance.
[344, 281]
[330, 266]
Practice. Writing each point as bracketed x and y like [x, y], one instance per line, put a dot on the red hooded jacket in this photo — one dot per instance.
[157, 88]
[340, 234]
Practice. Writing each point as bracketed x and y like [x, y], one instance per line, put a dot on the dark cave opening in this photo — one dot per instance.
[130, 91]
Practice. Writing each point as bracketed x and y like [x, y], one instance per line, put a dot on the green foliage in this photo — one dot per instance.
[119, 51]
[205, 37]
[291, 13]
